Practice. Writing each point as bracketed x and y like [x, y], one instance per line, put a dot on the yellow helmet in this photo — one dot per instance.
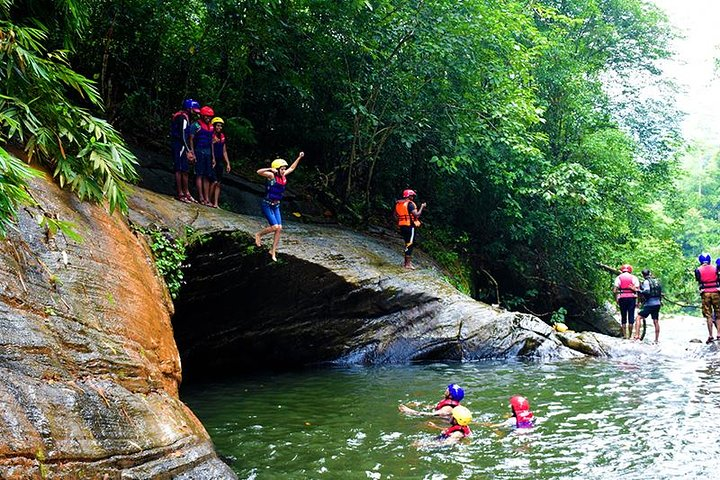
[462, 415]
[278, 162]
[217, 120]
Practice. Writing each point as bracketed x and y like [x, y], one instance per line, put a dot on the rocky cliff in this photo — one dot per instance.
[90, 361]
[89, 370]
[334, 296]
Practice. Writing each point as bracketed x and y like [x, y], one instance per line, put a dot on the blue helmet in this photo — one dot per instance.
[704, 258]
[717, 262]
[188, 103]
[456, 392]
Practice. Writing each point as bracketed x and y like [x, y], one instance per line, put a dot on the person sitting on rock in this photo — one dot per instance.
[452, 398]
[461, 418]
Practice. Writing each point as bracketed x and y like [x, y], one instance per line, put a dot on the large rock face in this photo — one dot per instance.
[334, 296]
[89, 370]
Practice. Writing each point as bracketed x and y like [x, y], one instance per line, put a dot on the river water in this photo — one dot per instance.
[648, 415]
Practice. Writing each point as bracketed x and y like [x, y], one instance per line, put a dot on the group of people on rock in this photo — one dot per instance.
[197, 139]
[459, 417]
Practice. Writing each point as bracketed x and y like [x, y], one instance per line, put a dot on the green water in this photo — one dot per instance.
[645, 416]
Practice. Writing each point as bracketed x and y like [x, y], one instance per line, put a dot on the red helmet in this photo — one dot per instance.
[519, 404]
[409, 193]
[207, 111]
[626, 268]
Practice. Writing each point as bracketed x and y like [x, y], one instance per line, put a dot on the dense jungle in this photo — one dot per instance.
[543, 134]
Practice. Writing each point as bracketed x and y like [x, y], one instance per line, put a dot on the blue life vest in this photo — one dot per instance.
[176, 125]
[275, 188]
[202, 133]
[218, 147]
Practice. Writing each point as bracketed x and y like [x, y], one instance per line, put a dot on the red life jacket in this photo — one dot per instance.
[626, 284]
[708, 279]
[524, 419]
[447, 402]
[464, 429]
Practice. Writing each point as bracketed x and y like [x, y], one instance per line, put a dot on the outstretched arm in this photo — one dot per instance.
[295, 164]
[267, 172]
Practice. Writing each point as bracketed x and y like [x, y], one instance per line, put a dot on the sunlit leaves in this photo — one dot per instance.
[36, 113]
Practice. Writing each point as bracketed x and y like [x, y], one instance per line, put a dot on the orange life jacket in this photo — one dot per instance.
[402, 212]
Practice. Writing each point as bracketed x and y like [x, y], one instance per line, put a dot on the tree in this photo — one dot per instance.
[37, 114]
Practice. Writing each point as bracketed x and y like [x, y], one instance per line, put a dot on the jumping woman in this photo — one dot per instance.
[274, 189]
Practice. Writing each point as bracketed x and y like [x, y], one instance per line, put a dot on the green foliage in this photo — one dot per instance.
[523, 124]
[38, 113]
[169, 254]
[444, 246]
[54, 226]
[558, 316]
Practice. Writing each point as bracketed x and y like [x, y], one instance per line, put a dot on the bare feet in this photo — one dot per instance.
[274, 258]
[258, 241]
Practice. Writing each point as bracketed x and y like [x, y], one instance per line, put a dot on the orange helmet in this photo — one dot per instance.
[626, 268]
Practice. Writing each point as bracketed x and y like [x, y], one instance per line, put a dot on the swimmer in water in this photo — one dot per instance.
[453, 396]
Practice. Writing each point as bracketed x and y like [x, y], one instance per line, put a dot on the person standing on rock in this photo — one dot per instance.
[651, 293]
[707, 278]
[274, 190]
[182, 156]
[407, 215]
[625, 288]
[200, 135]
[220, 160]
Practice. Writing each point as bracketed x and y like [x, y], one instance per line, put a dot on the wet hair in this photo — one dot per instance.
[646, 273]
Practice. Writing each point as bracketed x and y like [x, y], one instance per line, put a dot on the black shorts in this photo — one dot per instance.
[650, 311]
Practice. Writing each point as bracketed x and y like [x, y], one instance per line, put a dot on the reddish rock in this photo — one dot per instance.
[89, 370]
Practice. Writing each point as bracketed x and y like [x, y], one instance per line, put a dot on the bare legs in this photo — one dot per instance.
[277, 229]
[214, 194]
[181, 183]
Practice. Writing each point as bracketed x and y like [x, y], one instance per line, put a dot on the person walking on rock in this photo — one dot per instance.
[651, 293]
[707, 278]
[407, 215]
[625, 288]
[274, 189]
